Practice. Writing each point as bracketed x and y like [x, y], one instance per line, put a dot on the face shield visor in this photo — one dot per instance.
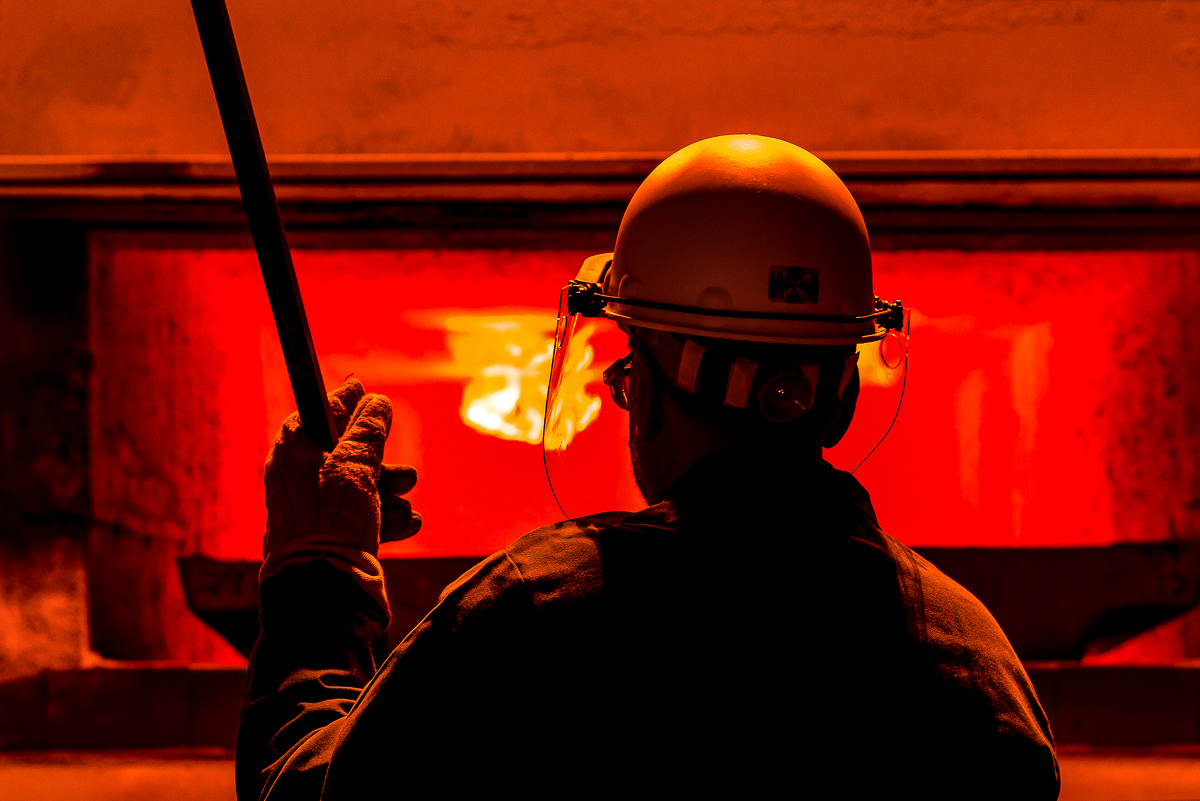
[585, 442]
[882, 379]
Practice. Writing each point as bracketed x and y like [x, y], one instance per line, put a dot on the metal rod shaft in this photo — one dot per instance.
[266, 225]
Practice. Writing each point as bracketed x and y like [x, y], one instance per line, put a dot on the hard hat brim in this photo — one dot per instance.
[704, 327]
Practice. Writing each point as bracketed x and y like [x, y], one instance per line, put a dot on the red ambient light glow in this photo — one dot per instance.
[1047, 399]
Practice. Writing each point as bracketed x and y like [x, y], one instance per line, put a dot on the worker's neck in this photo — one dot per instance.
[682, 442]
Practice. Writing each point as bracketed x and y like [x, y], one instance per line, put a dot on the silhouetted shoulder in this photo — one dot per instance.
[573, 559]
[974, 680]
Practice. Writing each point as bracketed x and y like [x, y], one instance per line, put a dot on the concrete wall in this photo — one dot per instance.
[44, 488]
[127, 76]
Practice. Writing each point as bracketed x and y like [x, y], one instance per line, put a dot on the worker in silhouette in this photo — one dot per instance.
[752, 631]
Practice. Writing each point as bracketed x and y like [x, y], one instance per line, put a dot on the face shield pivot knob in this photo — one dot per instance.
[894, 320]
[583, 298]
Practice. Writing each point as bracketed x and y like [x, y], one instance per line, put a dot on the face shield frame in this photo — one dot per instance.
[584, 298]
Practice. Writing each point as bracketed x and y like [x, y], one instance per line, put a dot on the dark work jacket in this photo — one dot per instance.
[756, 632]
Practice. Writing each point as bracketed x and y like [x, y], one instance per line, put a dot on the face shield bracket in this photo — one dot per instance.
[573, 442]
[893, 318]
[586, 299]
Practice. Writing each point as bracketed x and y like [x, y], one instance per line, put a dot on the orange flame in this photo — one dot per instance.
[573, 407]
[506, 360]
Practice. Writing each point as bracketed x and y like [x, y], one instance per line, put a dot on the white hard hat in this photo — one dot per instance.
[742, 263]
[741, 238]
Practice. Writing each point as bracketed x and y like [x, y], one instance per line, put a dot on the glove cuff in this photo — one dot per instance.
[363, 567]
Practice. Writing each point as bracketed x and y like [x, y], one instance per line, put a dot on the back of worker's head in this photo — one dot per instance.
[767, 396]
[757, 260]
[745, 238]
[742, 268]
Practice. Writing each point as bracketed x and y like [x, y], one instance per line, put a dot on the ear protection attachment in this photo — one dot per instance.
[786, 396]
[783, 397]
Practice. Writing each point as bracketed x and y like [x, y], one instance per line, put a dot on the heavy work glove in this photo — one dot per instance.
[328, 505]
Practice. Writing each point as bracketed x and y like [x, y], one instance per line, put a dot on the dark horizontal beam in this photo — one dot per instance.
[1010, 200]
[558, 167]
[1068, 179]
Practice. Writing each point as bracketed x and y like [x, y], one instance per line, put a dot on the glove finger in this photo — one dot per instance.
[397, 479]
[291, 479]
[296, 456]
[398, 525]
[344, 400]
[366, 434]
[395, 516]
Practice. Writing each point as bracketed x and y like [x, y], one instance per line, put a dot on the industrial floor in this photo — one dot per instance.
[207, 775]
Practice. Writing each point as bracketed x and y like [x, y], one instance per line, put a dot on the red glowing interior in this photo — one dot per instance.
[1042, 405]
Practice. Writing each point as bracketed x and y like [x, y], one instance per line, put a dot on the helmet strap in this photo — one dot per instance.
[690, 358]
[682, 359]
[847, 373]
[740, 381]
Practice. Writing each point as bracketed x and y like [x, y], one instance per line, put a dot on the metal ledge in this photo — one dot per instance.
[400, 167]
[961, 199]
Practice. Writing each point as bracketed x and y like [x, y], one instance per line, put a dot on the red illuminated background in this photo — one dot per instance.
[1028, 171]
[1043, 405]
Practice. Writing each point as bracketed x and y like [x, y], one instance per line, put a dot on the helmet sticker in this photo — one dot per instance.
[793, 285]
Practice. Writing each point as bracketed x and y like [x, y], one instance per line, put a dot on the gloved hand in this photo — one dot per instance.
[328, 506]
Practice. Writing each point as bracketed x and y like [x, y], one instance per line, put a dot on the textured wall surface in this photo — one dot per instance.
[127, 76]
[44, 488]
[1050, 405]
[160, 452]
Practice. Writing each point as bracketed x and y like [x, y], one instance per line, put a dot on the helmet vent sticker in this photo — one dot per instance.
[794, 285]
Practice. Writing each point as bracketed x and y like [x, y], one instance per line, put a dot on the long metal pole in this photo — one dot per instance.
[266, 225]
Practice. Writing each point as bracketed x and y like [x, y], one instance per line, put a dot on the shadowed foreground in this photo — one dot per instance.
[207, 775]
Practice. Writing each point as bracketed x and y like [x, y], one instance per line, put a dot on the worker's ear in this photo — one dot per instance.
[843, 412]
[646, 390]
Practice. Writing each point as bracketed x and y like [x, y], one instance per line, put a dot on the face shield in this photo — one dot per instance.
[585, 442]
[882, 377]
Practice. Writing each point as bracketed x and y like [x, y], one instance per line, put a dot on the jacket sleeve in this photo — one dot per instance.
[317, 715]
[311, 661]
